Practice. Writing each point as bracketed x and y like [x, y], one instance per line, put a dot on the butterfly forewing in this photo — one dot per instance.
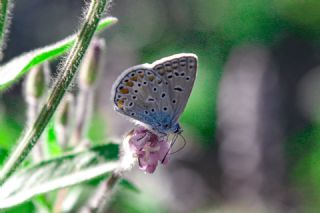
[156, 94]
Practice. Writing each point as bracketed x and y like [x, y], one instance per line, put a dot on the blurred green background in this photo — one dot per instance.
[252, 121]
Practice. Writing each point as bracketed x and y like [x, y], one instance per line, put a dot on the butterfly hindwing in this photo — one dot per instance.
[138, 95]
[180, 72]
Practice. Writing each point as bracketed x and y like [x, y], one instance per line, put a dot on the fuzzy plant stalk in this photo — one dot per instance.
[98, 202]
[36, 85]
[68, 71]
[5, 8]
[88, 76]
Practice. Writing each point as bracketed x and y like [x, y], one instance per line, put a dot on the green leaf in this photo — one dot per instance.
[52, 146]
[128, 185]
[15, 68]
[58, 173]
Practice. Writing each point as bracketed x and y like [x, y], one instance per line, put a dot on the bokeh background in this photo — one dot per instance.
[252, 122]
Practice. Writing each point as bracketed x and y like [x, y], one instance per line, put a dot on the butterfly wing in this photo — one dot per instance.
[180, 72]
[141, 94]
[156, 94]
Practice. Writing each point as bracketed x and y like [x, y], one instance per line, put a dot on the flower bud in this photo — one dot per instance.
[37, 81]
[90, 66]
[63, 119]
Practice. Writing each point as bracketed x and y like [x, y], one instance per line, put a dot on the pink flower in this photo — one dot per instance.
[149, 149]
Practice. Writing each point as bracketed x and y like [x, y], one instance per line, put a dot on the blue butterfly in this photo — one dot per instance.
[154, 95]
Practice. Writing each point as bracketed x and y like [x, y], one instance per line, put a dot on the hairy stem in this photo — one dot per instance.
[5, 6]
[68, 71]
[99, 200]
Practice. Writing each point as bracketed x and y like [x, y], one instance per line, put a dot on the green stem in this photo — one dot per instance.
[4, 19]
[68, 70]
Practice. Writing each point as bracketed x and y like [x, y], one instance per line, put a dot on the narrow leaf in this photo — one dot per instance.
[129, 185]
[53, 148]
[15, 68]
[58, 173]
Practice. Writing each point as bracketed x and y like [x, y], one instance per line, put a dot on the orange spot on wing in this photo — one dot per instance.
[151, 78]
[130, 84]
[120, 103]
[124, 90]
[134, 78]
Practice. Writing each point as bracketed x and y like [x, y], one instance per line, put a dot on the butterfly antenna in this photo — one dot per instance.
[184, 144]
[171, 145]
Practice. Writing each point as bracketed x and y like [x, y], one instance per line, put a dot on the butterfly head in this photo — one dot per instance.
[177, 129]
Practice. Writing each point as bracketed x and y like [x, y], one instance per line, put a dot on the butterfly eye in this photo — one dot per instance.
[152, 110]
[155, 89]
[174, 101]
[134, 97]
[146, 112]
[182, 74]
[133, 114]
[145, 83]
[135, 91]
[163, 95]
[165, 108]
[131, 104]
[188, 78]
[170, 76]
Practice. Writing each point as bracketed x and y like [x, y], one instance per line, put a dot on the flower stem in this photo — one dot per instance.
[99, 200]
[68, 71]
[5, 6]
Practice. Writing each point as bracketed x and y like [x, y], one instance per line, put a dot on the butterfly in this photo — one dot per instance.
[154, 95]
